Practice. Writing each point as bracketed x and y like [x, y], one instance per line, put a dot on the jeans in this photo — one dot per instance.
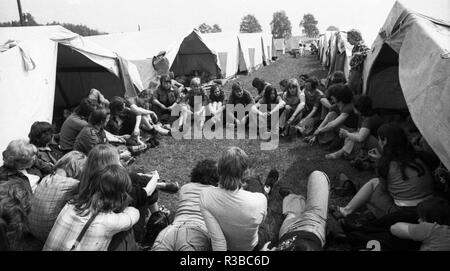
[311, 214]
[183, 236]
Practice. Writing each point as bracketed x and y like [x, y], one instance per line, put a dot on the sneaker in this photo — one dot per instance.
[272, 178]
[170, 187]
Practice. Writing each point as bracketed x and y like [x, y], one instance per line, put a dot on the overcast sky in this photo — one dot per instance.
[123, 16]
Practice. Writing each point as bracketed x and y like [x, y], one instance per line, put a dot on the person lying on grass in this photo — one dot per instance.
[303, 227]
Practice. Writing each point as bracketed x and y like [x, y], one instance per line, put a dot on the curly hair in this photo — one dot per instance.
[15, 205]
[205, 172]
[41, 133]
[19, 154]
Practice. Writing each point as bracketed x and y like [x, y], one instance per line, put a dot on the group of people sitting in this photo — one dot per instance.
[72, 192]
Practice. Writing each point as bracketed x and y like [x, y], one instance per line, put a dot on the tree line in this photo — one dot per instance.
[280, 25]
[80, 29]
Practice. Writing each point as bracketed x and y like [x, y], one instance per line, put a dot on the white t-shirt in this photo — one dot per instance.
[33, 179]
[233, 217]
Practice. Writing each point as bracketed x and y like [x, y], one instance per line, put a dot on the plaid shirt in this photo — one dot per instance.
[48, 199]
[69, 224]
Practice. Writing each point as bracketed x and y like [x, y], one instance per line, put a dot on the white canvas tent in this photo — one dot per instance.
[250, 51]
[226, 45]
[279, 46]
[268, 47]
[409, 68]
[340, 54]
[185, 50]
[141, 47]
[48, 68]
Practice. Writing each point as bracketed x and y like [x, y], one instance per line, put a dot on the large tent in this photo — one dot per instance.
[268, 47]
[279, 46]
[409, 69]
[140, 47]
[185, 50]
[250, 51]
[226, 45]
[44, 69]
[194, 54]
[340, 53]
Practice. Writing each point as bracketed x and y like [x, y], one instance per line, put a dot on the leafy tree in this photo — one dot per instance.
[332, 28]
[28, 20]
[205, 28]
[250, 24]
[281, 26]
[216, 28]
[309, 24]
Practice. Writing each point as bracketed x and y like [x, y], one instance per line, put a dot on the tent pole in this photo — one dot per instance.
[19, 6]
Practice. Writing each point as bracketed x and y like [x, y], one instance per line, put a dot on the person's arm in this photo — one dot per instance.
[311, 114]
[299, 108]
[218, 241]
[332, 124]
[122, 221]
[255, 109]
[280, 105]
[158, 103]
[401, 230]
[325, 102]
[113, 138]
[359, 136]
[140, 111]
[151, 185]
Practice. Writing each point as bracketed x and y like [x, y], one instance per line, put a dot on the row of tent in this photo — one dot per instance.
[221, 54]
[407, 69]
[45, 69]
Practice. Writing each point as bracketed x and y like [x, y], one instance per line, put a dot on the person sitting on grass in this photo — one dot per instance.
[104, 202]
[231, 214]
[41, 136]
[303, 227]
[295, 103]
[165, 99]
[74, 124]
[216, 103]
[366, 137]
[338, 77]
[195, 104]
[312, 110]
[271, 103]
[260, 86]
[341, 114]
[53, 192]
[404, 179]
[283, 86]
[188, 230]
[302, 81]
[433, 229]
[18, 159]
[14, 209]
[238, 96]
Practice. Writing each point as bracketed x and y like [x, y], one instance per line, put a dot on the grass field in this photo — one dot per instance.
[295, 160]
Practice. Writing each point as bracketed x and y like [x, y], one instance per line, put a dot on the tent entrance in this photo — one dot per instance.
[384, 83]
[76, 75]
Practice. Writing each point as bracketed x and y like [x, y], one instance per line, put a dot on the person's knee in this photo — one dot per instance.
[374, 182]
[318, 175]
